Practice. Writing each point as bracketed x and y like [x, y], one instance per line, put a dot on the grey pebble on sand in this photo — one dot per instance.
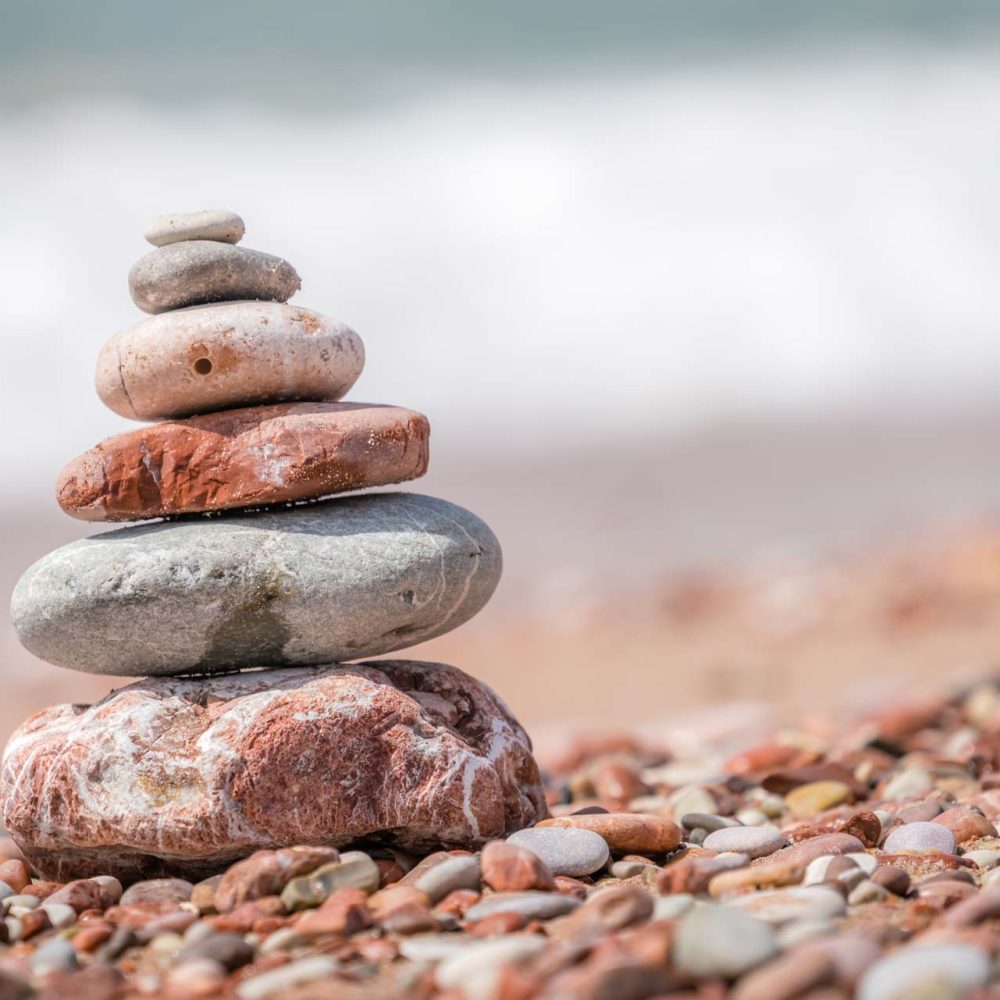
[713, 940]
[564, 851]
[753, 841]
[535, 905]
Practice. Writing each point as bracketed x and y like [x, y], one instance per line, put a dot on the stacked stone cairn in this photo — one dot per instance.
[249, 732]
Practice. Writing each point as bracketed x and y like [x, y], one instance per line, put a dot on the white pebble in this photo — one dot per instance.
[984, 860]
[25, 902]
[669, 907]
[60, 914]
[867, 892]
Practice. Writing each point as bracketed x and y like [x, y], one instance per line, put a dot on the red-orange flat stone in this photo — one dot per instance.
[245, 458]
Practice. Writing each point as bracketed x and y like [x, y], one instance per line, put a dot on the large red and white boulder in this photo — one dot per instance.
[182, 776]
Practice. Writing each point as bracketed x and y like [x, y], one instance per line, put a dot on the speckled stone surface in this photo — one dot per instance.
[337, 580]
[206, 224]
[231, 354]
[183, 776]
[245, 457]
[193, 272]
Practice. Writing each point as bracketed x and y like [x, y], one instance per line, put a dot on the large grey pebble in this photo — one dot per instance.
[753, 841]
[199, 271]
[956, 968]
[338, 580]
[531, 904]
[564, 851]
[55, 955]
[920, 837]
[208, 224]
[713, 940]
[229, 950]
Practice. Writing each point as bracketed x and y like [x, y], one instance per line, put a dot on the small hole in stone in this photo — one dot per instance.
[203, 366]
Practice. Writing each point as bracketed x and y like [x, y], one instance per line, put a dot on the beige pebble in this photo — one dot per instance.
[226, 355]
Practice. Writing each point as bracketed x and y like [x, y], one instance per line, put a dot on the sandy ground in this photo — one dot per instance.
[770, 564]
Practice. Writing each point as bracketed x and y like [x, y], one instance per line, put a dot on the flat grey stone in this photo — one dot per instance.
[208, 224]
[531, 904]
[564, 850]
[713, 940]
[460, 871]
[55, 955]
[339, 580]
[753, 841]
[199, 271]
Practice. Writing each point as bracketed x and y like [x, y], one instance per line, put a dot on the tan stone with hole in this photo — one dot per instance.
[224, 355]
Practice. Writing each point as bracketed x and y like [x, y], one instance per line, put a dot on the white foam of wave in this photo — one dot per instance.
[615, 255]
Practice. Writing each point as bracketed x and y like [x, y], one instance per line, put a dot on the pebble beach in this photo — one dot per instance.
[861, 864]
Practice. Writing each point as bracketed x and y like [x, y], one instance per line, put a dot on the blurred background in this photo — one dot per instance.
[701, 301]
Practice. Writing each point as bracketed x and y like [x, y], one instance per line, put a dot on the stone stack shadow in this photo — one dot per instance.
[249, 731]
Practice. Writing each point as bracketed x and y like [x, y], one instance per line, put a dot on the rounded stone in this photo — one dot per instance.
[753, 841]
[182, 777]
[532, 904]
[332, 581]
[245, 458]
[955, 968]
[920, 837]
[816, 796]
[216, 357]
[564, 851]
[199, 271]
[716, 940]
[208, 224]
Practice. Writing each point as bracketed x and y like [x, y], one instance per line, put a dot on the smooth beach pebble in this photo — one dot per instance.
[955, 968]
[198, 271]
[251, 758]
[257, 589]
[816, 796]
[532, 904]
[920, 837]
[564, 852]
[216, 357]
[714, 940]
[625, 833]
[753, 841]
[207, 224]
[246, 457]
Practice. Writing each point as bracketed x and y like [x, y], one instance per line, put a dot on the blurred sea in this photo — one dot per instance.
[548, 262]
